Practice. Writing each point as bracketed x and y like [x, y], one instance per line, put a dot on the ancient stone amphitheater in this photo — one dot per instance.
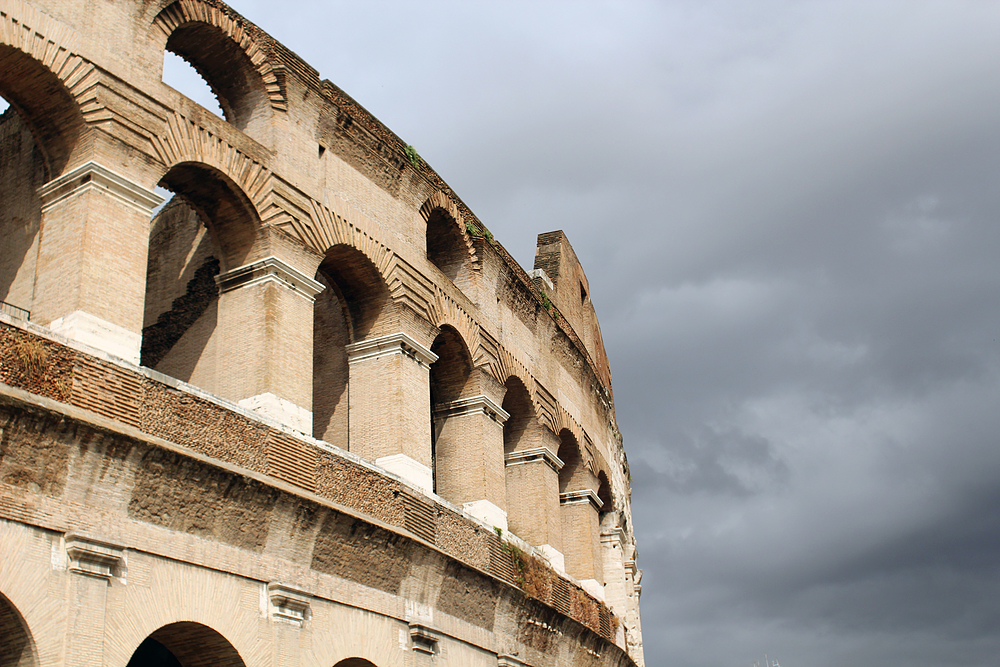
[309, 411]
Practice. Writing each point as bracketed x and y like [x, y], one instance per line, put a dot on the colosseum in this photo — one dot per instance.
[309, 411]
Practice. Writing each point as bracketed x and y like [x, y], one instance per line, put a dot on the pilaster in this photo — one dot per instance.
[90, 277]
[265, 319]
[532, 481]
[582, 539]
[468, 457]
[93, 566]
[389, 409]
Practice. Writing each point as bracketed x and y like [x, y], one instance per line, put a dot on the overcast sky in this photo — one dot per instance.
[790, 218]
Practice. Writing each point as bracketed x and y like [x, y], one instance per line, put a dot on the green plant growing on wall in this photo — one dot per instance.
[412, 156]
[546, 301]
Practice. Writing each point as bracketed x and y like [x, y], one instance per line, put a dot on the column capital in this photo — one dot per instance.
[613, 535]
[396, 343]
[94, 557]
[289, 603]
[93, 176]
[473, 405]
[522, 456]
[269, 269]
[582, 496]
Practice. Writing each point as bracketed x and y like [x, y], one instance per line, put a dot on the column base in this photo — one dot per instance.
[411, 470]
[281, 410]
[594, 587]
[554, 556]
[96, 332]
[487, 512]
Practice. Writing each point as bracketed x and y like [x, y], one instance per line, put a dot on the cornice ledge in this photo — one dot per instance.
[523, 456]
[396, 343]
[269, 269]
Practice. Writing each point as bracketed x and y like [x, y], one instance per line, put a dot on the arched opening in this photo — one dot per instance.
[446, 248]
[43, 104]
[574, 475]
[206, 229]
[517, 430]
[354, 305]
[355, 662]
[228, 71]
[449, 380]
[180, 75]
[39, 129]
[17, 648]
[186, 644]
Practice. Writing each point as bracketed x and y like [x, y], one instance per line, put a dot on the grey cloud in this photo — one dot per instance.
[788, 214]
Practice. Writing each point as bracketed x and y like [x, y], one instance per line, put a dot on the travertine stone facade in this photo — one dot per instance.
[309, 411]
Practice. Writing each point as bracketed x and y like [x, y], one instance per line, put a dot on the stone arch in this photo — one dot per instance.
[575, 473]
[518, 404]
[229, 53]
[186, 142]
[186, 644]
[48, 85]
[355, 662]
[450, 382]
[447, 244]
[17, 646]
[355, 305]
[209, 228]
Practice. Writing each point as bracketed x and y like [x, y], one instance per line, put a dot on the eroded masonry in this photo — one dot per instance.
[308, 411]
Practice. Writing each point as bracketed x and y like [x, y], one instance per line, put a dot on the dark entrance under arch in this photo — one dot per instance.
[186, 644]
[16, 646]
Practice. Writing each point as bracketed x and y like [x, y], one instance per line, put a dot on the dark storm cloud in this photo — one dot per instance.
[790, 218]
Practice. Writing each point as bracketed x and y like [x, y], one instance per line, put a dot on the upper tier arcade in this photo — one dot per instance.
[313, 313]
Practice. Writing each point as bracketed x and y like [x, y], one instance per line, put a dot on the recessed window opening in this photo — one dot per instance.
[583, 293]
[180, 75]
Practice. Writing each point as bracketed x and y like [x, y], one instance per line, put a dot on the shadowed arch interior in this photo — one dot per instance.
[353, 305]
[517, 403]
[207, 228]
[227, 70]
[222, 205]
[355, 662]
[44, 105]
[186, 644]
[574, 474]
[449, 381]
[446, 247]
[17, 648]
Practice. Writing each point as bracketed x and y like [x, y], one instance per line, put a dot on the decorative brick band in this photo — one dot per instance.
[269, 269]
[582, 496]
[92, 176]
[397, 343]
[532, 455]
[473, 405]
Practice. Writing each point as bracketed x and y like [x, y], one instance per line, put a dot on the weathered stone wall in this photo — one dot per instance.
[310, 278]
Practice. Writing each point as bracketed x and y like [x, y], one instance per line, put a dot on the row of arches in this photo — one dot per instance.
[212, 229]
[180, 644]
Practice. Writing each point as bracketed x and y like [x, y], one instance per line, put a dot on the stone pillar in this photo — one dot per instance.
[532, 480]
[613, 551]
[266, 325]
[90, 278]
[468, 457]
[582, 538]
[633, 576]
[93, 565]
[390, 405]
